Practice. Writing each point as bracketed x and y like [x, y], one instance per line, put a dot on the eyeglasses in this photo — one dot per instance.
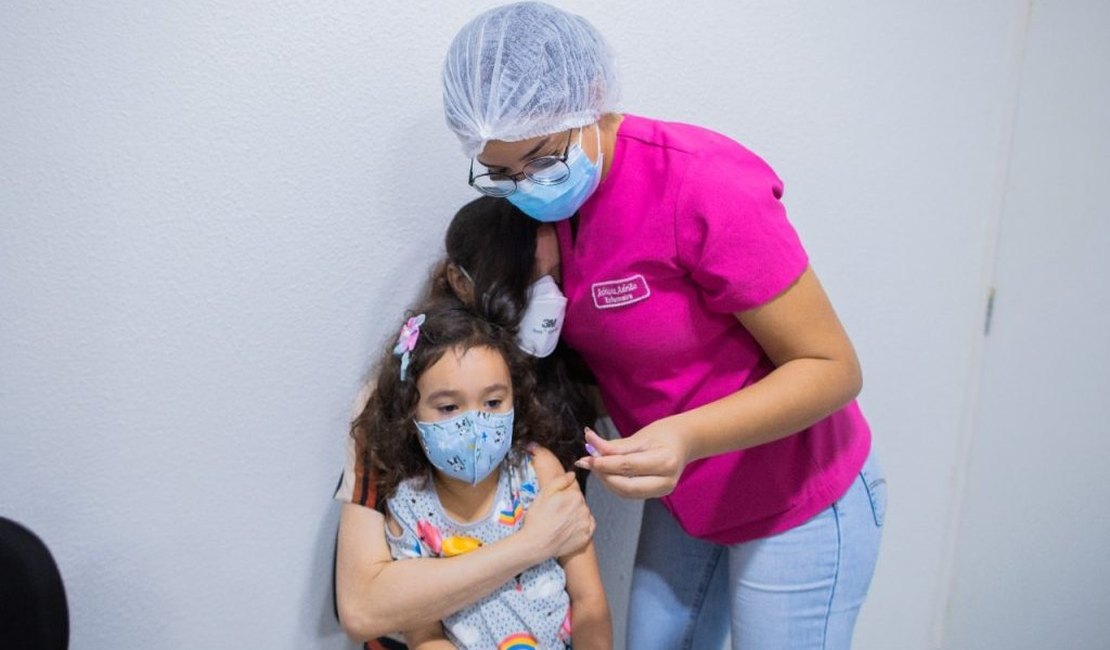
[545, 170]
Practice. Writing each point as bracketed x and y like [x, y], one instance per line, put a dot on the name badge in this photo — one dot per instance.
[618, 293]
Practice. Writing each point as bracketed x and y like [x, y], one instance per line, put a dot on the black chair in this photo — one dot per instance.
[33, 610]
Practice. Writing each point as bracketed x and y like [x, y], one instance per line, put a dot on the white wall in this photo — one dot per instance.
[212, 213]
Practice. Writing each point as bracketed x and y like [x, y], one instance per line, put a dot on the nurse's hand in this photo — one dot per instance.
[644, 465]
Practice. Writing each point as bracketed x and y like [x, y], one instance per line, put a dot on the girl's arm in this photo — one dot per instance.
[378, 596]
[816, 373]
[591, 626]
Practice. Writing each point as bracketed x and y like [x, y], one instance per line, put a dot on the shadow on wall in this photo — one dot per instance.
[319, 595]
[425, 177]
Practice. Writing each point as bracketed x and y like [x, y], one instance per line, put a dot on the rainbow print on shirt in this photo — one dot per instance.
[511, 515]
[518, 641]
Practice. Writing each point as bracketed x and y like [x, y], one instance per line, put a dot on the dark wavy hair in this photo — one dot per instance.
[496, 244]
[385, 426]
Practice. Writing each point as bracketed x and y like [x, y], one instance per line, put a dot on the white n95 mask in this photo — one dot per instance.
[543, 318]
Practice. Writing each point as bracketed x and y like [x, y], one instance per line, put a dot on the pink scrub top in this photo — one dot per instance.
[687, 230]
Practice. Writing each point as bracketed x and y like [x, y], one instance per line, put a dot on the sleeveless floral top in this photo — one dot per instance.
[530, 611]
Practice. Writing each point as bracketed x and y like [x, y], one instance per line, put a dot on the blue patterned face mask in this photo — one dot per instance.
[549, 203]
[470, 446]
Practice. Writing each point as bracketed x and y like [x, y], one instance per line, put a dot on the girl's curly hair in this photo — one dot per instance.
[385, 428]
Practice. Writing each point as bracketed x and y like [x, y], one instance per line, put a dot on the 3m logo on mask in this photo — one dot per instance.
[618, 293]
[542, 320]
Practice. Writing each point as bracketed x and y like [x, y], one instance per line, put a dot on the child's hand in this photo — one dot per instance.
[559, 519]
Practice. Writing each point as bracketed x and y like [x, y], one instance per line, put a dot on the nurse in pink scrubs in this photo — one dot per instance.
[717, 353]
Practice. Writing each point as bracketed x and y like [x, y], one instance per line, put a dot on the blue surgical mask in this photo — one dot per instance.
[557, 202]
[470, 446]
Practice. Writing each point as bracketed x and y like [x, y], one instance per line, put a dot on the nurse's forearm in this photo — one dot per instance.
[791, 398]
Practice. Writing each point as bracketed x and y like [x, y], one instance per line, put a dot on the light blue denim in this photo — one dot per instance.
[798, 590]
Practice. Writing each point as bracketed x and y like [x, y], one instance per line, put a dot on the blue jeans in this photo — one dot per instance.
[799, 589]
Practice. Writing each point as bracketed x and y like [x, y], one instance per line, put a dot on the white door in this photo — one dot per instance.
[1032, 560]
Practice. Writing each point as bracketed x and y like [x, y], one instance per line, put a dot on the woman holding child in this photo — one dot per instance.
[378, 596]
[715, 349]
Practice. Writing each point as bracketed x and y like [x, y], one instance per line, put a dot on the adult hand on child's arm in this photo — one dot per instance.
[377, 595]
[559, 522]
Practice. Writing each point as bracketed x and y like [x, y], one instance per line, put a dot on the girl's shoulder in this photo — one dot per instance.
[537, 464]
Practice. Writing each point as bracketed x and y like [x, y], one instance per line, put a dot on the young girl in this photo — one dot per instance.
[376, 596]
[458, 442]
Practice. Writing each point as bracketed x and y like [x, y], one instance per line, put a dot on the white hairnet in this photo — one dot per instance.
[524, 70]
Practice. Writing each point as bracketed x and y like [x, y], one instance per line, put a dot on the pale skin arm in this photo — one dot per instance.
[816, 373]
[377, 595]
[591, 624]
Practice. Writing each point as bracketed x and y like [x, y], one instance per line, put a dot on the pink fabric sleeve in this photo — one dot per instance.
[732, 231]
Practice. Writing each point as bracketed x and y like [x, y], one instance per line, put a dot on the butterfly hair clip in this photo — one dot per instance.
[406, 342]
